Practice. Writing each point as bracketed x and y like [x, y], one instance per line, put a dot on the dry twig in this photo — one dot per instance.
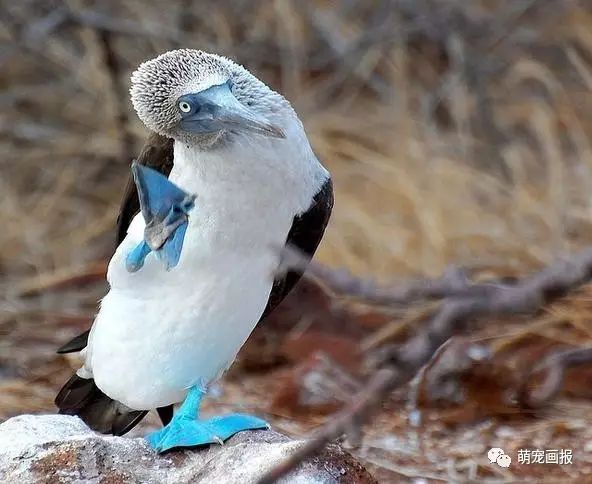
[62, 278]
[113, 68]
[552, 370]
[452, 283]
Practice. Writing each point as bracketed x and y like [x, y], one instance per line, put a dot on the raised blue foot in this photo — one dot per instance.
[165, 209]
[185, 430]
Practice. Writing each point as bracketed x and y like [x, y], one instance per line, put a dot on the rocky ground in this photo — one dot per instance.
[59, 448]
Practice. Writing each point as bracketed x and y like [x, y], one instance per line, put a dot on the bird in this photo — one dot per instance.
[171, 325]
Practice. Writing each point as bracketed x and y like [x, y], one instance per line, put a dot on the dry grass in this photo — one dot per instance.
[456, 132]
[419, 182]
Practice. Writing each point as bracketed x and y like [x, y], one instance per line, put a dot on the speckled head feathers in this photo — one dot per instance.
[158, 83]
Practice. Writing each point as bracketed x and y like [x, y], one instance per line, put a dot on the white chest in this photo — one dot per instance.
[164, 331]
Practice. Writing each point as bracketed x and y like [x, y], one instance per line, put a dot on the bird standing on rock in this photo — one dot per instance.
[165, 331]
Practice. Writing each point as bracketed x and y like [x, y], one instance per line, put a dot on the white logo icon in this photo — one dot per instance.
[497, 455]
[504, 460]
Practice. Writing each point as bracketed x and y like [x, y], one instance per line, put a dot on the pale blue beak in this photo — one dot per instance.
[216, 109]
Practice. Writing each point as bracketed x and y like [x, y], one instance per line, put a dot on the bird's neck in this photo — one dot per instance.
[256, 171]
[201, 171]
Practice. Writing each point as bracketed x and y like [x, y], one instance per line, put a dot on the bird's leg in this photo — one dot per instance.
[186, 430]
[165, 209]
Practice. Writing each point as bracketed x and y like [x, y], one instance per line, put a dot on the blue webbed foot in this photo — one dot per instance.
[185, 430]
[190, 433]
[165, 209]
[135, 259]
[170, 253]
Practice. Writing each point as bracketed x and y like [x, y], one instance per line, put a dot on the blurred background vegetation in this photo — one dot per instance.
[457, 132]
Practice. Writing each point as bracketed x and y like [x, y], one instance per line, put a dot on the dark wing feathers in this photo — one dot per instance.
[75, 344]
[81, 396]
[305, 234]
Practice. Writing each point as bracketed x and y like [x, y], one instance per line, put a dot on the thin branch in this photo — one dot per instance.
[357, 411]
[452, 283]
[402, 362]
[552, 370]
[113, 68]
[63, 278]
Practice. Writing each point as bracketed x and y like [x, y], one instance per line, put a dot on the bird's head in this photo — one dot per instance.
[193, 96]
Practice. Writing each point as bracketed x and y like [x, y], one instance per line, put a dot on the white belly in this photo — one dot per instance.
[147, 351]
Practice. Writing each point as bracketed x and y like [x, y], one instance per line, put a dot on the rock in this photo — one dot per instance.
[62, 449]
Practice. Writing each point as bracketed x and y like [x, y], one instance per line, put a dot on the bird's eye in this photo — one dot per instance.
[184, 106]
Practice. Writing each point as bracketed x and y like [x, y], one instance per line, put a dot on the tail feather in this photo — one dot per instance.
[75, 393]
[81, 396]
[165, 414]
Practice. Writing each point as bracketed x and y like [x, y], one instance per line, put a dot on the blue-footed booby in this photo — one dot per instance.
[174, 320]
